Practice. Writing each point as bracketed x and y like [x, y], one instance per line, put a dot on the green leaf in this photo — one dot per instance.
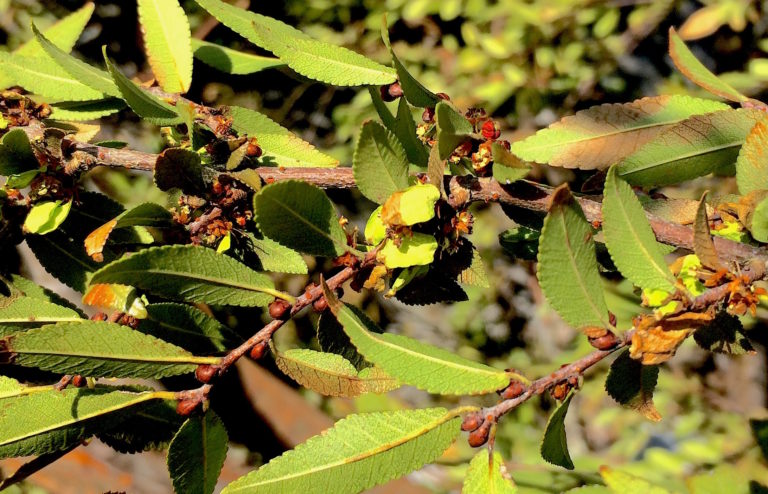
[275, 257]
[475, 274]
[522, 242]
[178, 168]
[29, 289]
[693, 148]
[416, 249]
[151, 427]
[280, 146]
[724, 335]
[415, 363]
[22, 180]
[602, 135]
[188, 327]
[86, 73]
[146, 214]
[322, 61]
[567, 269]
[452, 129]
[554, 446]
[193, 274]
[507, 167]
[100, 349]
[54, 420]
[416, 204]
[61, 252]
[760, 432]
[721, 478]
[380, 165]
[232, 61]
[10, 387]
[86, 110]
[28, 312]
[405, 129]
[166, 35]
[241, 21]
[631, 384]
[484, 476]
[64, 33]
[45, 217]
[360, 451]
[42, 75]
[333, 339]
[299, 216]
[145, 105]
[414, 92]
[16, 154]
[197, 453]
[751, 165]
[332, 375]
[630, 239]
[624, 483]
[697, 73]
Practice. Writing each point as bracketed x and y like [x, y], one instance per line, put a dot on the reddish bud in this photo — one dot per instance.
[490, 131]
[205, 373]
[279, 309]
[428, 116]
[605, 342]
[78, 381]
[99, 316]
[443, 96]
[479, 436]
[187, 407]
[504, 143]
[612, 318]
[472, 421]
[258, 350]
[514, 390]
[391, 92]
[320, 304]
[560, 391]
[253, 150]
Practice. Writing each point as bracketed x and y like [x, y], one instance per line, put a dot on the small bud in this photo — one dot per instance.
[512, 391]
[612, 318]
[279, 309]
[205, 373]
[253, 150]
[428, 116]
[560, 391]
[505, 144]
[490, 131]
[258, 350]
[605, 342]
[472, 421]
[479, 436]
[443, 96]
[99, 316]
[78, 381]
[186, 407]
[391, 92]
[320, 304]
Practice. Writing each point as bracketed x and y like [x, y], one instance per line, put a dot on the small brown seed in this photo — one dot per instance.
[605, 342]
[205, 373]
[512, 391]
[560, 391]
[471, 422]
[479, 436]
[187, 407]
[279, 309]
[320, 304]
[78, 381]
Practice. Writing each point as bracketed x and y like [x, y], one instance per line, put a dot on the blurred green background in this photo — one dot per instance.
[528, 63]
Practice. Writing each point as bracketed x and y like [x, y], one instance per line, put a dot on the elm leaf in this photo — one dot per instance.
[602, 135]
[703, 245]
[100, 349]
[42, 75]
[452, 129]
[379, 164]
[197, 453]
[16, 155]
[187, 327]
[567, 267]
[360, 451]
[416, 204]
[147, 214]
[484, 476]
[751, 165]
[554, 446]
[86, 110]
[166, 35]
[45, 217]
[22, 313]
[630, 239]
[412, 362]
[232, 61]
[193, 274]
[631, 384]
[64, 33]
[416, 249]
[415, 93]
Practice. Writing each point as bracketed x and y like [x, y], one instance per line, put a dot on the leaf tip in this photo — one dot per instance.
[330, 297]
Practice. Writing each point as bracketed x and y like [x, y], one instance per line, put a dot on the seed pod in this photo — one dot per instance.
[479, 436]
[258, 350]
[186, 407]
[605, 342]
[514, 390]
[205, 373]
[490, 131]
[320, 304]
[279, 309]
[253, 150]
[78, 381]
[472, 421]
[560, 391]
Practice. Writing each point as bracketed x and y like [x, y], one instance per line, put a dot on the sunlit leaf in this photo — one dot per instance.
[484, 476]
[86, 110]
[42, 75]
[16, 154]
[232, 61]
[416, 249]
[64, 33]
[416, 204]
[603, 135]
[703, 245]
[360, 451]
[413, 90]
[624, 483]
[46, 217]
[166, 35]
[752, 163]
[380, 165]
[147, 214]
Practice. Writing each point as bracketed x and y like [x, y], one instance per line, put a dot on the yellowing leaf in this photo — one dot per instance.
[416, 204]
[625, 483]
[487, 476]
[46, 217]
[167, 41]
[603, 135]
[703, 245]
[64, 32]
[416, 249]
[697, 73]
[332, 375]
[705, 21]
[375, 229]
[752, 163]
